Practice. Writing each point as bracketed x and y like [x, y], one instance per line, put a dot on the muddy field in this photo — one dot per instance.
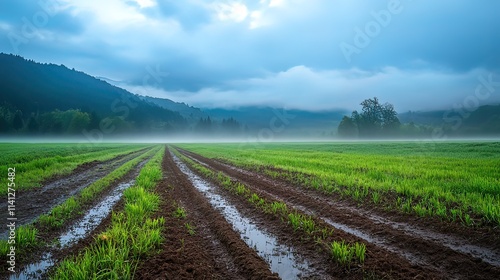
[398, 246]
[56, 244]
[223, 236]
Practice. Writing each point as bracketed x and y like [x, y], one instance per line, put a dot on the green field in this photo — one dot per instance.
[455, 184]
[35, 163]
[456, 181]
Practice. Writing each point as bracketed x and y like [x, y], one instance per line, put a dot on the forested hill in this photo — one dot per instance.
[484, 121]
[45, 98]
[189, 112]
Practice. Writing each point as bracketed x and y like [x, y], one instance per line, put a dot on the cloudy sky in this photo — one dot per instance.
[307, 54]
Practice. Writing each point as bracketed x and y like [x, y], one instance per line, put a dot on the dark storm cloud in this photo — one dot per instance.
[289, 52]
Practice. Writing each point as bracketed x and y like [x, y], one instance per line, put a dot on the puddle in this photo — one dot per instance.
[280, 258]
[35, 270]
[77, 232]
[94, 217]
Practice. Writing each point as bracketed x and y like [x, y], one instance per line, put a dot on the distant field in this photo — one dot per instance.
[455, 181]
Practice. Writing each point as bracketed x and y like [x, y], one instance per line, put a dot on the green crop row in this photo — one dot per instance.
[453, 181]
[133, 234]
[344, 253]
[296, 220]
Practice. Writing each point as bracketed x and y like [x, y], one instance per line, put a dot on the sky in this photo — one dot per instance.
[295, 54]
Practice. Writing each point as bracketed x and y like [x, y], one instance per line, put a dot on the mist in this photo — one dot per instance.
[257, 71]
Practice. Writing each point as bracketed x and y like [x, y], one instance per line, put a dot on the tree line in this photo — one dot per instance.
[226, 126]
[74, 121]
[56, 122]
[377, 120]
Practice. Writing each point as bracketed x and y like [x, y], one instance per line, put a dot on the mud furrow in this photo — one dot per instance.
[33, 203]
[280, 257]
[428, 250]
[220, 253]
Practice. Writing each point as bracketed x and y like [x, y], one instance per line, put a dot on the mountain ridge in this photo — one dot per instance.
[35, 89]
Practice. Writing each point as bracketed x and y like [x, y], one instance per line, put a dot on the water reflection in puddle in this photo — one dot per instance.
[93, 217]
[78, 231]
[280, 258]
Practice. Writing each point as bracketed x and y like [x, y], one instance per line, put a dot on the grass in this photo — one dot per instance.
[360, 252]
[432, 179]
[133, 234]
[180, 212]
[302, 222]
[241, 189]
[25, 238]
[256, 200]
[277, 207]
[190, 228]
[345, 254]
[35, 163]
[59, 214]
[341, 252]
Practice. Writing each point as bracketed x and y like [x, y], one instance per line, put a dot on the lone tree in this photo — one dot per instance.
[347, 128]
[375, 120]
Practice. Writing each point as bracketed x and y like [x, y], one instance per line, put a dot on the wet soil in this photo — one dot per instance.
[57, 244]
[215, 251]
[30, 204]
[281, 258]
[398, 247]
[321, 265]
